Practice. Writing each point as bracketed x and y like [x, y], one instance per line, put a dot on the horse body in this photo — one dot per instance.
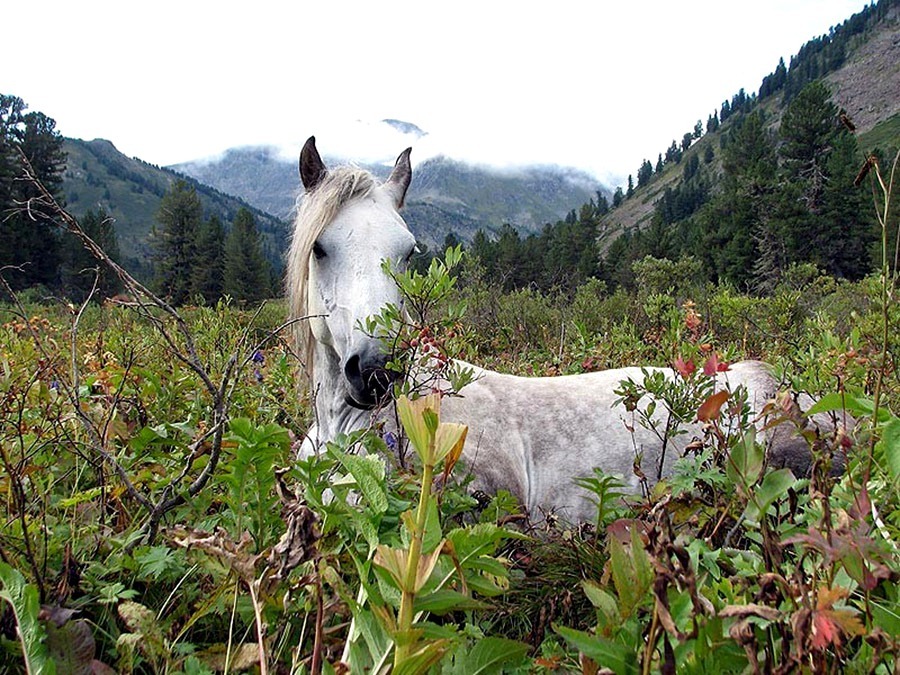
[534, 436]
[531, 436]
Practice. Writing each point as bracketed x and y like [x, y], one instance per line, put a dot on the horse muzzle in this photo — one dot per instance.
[369, 382]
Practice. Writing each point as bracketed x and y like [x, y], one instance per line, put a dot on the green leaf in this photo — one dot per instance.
[155, 561]
[368, 472]
[632, 574]
[603, 602]
[413, 419]
[746, 461]
[774, 486]
[886, 615]
[489, 655]
[23, 598]
[422, 659]
[890, 446]
[479, 539]
[858, 406]
[447, 600]
[606, 653]
[643, 568]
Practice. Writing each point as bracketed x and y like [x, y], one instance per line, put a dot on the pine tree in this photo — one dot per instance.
[602, 204]
[645, 173]
[808, 128]
[29, 241]
[745, 201]
[207, 275]
[246, 275]
[77, 273]
[829, 226]
[848, 230]
[509, 257]
[180, 215]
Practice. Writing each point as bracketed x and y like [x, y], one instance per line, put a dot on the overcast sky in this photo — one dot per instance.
[598, 85]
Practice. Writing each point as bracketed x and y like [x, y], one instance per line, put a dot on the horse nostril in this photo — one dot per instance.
[351, 370]
[369, 377]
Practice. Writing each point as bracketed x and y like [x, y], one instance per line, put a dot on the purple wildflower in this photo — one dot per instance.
[258, 357]
[390, 439]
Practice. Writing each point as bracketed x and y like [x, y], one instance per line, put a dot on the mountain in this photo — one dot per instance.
[130, 190]
[859, 61]
[446, 195]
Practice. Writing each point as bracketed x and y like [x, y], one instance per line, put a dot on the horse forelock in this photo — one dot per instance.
[316, 210]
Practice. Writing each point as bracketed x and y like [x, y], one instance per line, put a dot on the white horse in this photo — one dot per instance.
[530, 436]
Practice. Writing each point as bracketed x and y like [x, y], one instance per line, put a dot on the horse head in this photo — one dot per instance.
[347, 226]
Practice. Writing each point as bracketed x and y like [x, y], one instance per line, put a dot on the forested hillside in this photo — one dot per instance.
[97, 176]
[766, 183]
[188, 242]
[771, 182]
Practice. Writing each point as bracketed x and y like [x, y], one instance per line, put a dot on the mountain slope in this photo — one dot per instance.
[866, 85]
[130, 190]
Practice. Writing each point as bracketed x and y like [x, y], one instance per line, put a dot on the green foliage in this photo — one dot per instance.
[130, 191]
[80, 268]
[23, 600]
[246, 272]
[207, 275]
[726, 565]
[180, 214]
[29, 241]
[563, 256]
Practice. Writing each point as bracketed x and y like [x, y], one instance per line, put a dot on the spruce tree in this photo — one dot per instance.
[180, 215]
[829, 225]
[744, 205]
[207, 275]
[79, 264]
[28, 241]
[645, 173]
[848, 231]
[808, 128]
[246, 275]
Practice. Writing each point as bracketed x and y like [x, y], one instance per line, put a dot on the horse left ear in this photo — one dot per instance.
[312, 168]
[398, 182]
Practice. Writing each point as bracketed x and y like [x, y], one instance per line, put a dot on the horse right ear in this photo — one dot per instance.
[312, 168]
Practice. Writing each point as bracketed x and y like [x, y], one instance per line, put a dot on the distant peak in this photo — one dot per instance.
[405, 127]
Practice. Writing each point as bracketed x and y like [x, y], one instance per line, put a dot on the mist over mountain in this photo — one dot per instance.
[446, 195]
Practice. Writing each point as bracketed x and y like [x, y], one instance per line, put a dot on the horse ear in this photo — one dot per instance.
[312, 168]
[398, 182]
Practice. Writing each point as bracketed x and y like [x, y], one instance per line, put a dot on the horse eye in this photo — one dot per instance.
[318, 251]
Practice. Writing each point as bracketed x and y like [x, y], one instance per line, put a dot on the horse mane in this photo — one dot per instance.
[317, 208]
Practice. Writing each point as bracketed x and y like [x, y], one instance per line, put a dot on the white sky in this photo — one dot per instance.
[599, 85]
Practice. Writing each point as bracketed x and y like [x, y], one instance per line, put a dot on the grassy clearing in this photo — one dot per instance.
[103, 421]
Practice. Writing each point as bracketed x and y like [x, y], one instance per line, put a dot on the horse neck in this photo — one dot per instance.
[334, 415]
